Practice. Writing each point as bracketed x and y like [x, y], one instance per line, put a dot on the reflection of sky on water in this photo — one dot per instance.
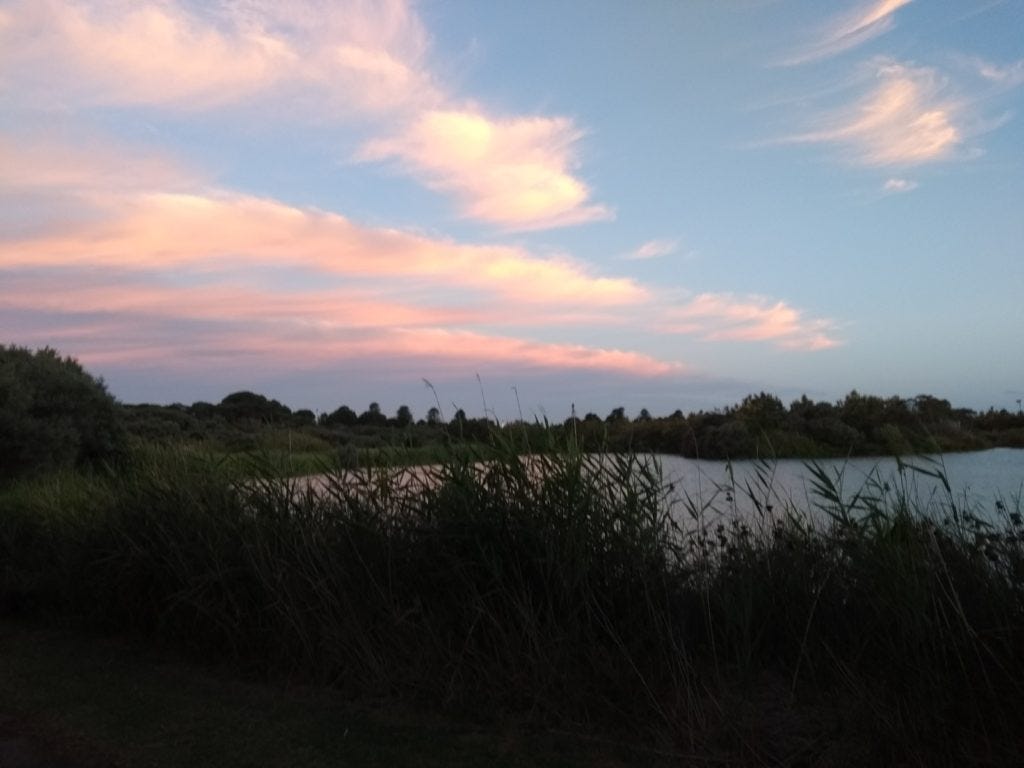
[978, 478]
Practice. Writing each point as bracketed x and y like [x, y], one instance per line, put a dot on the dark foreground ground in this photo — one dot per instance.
[69, 700]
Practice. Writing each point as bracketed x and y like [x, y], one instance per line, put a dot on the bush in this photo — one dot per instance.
[53, 414]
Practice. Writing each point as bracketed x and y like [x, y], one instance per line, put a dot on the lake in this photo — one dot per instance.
[978, 480]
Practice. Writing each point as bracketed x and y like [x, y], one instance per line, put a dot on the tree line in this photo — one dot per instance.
[761, 425]
[53, 414]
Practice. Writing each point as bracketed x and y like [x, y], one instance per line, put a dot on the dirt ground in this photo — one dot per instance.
[28, 743]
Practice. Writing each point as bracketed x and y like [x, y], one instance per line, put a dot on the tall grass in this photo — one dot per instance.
[572, 589]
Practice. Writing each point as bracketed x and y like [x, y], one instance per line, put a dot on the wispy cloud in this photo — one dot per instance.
[653, 249]
[351, 60]
[143, 324]
[125, 209]
[165, 231]
[902, 120]
[133, 274]
[125, 272]
[725, 317]
[1009, 76]
[899, 185]
[349, 55]
[863, 23]
[515, 172]
[137, 342]
[224, 298]
[91, 165]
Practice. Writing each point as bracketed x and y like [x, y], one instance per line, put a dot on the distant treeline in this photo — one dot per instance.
[760, 426]
[54, 414]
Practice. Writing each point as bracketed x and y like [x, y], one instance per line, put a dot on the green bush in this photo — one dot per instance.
[53, 414]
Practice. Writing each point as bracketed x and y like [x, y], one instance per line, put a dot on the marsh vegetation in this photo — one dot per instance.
[567, 594]
[575, 590]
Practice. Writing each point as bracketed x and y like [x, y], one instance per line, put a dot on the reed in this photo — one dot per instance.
[574, 589]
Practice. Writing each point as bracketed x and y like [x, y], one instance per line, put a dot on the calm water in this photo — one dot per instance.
[979, 478]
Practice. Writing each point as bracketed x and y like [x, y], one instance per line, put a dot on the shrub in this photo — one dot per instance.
[53, 414]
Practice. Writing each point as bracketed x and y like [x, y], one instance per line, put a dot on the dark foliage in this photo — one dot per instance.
[561, 590]
[53, 414]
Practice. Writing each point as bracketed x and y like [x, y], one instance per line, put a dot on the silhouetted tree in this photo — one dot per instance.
[728, 441]
[303, 417]
[932, 410]
[53, 414]
[249, 409]
[762, 412]
[404, 416]
[343, 416]
[373, 416]
[806, 409]
[617, 415]
[203, 410]
[862, 412]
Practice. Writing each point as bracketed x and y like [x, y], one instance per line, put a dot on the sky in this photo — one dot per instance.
[517, 207]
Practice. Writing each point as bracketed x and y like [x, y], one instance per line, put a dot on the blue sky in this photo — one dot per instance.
[661, 205]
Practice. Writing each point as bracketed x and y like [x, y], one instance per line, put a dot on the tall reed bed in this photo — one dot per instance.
[570, 589]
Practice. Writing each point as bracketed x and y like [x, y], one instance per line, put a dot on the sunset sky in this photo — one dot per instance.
[649, 204]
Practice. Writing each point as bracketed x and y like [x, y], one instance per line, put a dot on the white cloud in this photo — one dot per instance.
[654, 249]
[163, 270]
[899, 185]
[725, 317]
[172, 230]
[514, 172]
[136, 211]
[850, 30]
[902, 120]
[365, 57]
[346, 60]
[185, 275]
[1009, 76]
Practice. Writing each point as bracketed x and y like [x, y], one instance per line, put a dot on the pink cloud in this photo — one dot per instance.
[513, 172]
[154, 278]
[156, 230]
[345, 56]
[124, 283]
[135, 333]
[344, 60]
[92, 165]
[116, 52]
[470, 347]
[224, 302]
[901, 121]
[145, 319]
[723, 317]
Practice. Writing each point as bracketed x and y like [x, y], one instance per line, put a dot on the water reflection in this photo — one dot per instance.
[982, 482]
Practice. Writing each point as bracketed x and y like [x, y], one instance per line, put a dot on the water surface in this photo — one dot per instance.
[979, 480]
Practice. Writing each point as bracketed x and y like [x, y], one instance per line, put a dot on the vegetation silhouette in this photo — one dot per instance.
[759, 426]
[53, 414]
[546, 573]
